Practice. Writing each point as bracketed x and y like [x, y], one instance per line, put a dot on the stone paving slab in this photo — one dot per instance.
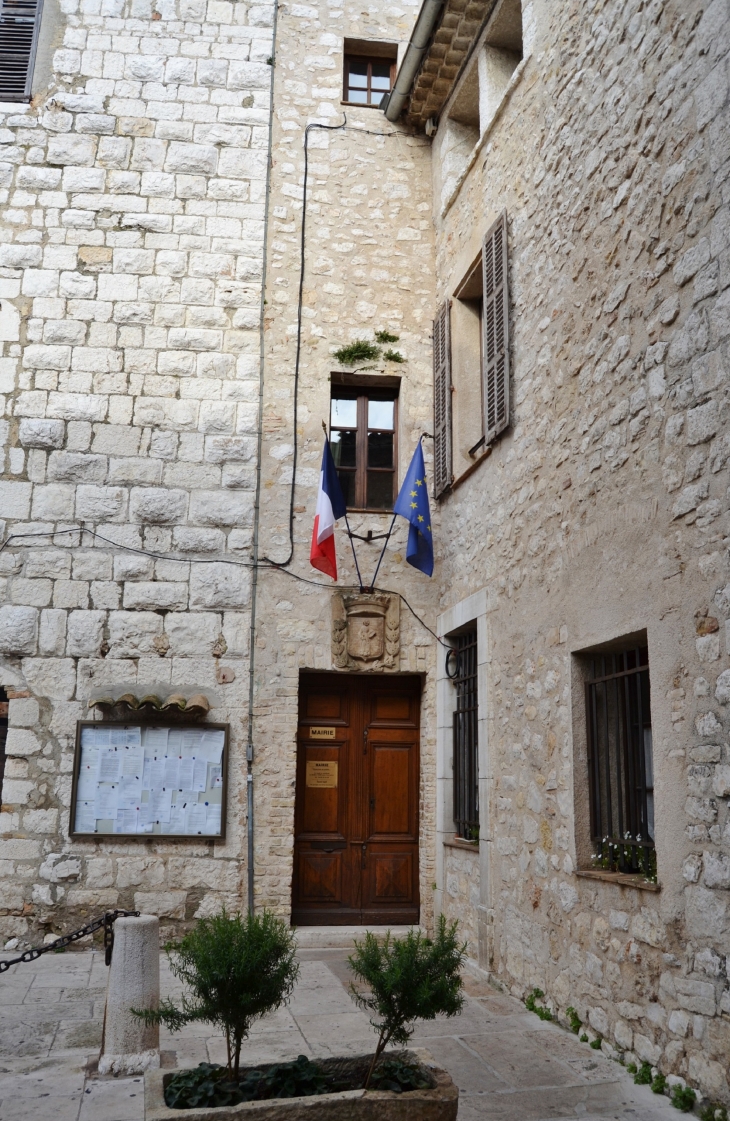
[509, 1065]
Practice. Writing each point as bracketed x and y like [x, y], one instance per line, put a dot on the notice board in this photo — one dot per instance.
[146, 780]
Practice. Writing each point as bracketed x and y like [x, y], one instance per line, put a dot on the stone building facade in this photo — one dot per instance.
[166, 369]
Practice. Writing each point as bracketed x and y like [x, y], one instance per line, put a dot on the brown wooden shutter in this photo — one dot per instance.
[19, 25]
[441, 401]
[496, 331]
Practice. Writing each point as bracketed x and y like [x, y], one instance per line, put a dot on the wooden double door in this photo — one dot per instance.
[356, 817]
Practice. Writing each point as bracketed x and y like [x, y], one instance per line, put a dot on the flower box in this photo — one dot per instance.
[437, 1104]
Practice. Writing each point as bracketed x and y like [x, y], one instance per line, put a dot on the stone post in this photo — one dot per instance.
[128, 1046]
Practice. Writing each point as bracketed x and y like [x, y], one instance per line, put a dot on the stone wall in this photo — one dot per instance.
[608, 508]
[131, 262]
[368, 267]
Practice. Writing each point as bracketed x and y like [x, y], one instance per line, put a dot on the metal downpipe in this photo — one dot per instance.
[427, 19]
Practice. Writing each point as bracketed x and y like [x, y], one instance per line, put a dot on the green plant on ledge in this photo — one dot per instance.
[539, 1009]
[616, 856]
[683, 1098]
[596, 1043]
[362, 350]
[643, 1075]
[573, 1019]
[713, 1111]
[359, 351]
[659, 1084]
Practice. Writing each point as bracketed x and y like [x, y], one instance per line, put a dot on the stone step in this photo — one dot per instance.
[343, 937]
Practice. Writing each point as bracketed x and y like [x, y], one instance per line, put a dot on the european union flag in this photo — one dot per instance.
[412, 504]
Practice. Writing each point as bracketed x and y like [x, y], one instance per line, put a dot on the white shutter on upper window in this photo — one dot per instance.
[19, 26]
[441, 401]
[495, 325]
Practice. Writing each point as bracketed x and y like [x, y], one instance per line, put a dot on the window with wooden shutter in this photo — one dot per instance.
[442, 400]
[495, 325]
[19, 24]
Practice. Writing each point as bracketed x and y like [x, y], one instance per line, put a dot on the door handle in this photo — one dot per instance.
[364, 854]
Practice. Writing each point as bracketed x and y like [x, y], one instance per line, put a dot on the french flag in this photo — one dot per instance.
[330, 507]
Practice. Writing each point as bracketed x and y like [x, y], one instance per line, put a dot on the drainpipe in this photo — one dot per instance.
[257, 498]
[421, 37]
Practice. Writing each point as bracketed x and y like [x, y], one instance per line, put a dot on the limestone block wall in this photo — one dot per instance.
[131, 263]
[369, 266]
[607, 509]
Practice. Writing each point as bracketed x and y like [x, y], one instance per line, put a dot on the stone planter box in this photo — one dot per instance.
[437, 1104]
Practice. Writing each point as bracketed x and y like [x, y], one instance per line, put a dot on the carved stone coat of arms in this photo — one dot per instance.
[365, 631]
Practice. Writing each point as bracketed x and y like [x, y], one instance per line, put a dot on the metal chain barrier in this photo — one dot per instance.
[106, 921]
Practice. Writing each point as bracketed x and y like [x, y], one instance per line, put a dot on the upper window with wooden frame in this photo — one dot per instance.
[20, 22]
[363, 438]
[471, 363]
[369, 72]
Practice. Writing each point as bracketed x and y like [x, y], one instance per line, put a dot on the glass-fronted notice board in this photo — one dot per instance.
[138, 780]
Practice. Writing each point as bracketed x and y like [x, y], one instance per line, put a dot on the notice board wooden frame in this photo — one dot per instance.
[194, 838]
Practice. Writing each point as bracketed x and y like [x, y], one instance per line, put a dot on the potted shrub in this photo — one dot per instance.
[236, 969]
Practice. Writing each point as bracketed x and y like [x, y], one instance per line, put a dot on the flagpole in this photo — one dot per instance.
[382, 552]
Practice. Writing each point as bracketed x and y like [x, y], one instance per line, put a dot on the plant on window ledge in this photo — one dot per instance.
[362, 350]
[618, 856]
[359, 351]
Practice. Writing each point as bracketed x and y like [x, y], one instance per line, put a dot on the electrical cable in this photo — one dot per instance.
[268, 566]
[300, 302]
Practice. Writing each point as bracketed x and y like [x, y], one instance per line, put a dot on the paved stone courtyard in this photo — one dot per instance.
[509, 1065]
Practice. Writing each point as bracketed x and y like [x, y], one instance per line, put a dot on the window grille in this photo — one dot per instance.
[466, 715]
[620, 761]
[19, 24]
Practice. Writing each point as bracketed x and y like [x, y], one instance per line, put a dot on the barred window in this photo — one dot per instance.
[620, 761]
[465, 730]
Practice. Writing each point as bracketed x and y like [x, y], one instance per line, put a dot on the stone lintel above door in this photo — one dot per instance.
[366, 632]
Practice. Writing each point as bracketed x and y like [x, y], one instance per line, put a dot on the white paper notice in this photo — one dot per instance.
[200, 775]
[160, 804]
[196, 818]
[156, 740]
[96, 737]
[176, 824]
[156, 775]
[186, 774]
[130, 793]
[86, 786]
[132, 761]
[212, 746]
[191, 740]
[106, 802]
[172, 772]
[174, 741]
[134, 737]
[118, 736]
[109, 764]
[213, 819]
[216, 778]
[126, 821]
[85, 817]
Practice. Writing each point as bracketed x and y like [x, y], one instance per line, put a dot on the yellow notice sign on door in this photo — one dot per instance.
[321, 773]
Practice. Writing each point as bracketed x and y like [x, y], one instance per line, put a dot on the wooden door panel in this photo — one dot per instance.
[391, 802]
[324, 810]
[320, 877]
[356, 843]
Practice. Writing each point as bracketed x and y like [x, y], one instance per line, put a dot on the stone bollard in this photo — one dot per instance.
[128, 1046]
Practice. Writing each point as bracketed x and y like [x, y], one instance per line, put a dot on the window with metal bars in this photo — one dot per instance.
[19, 25]
[466, 741]
[620, 763]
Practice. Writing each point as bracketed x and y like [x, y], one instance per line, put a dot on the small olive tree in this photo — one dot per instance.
[413, 978]
[236, 969]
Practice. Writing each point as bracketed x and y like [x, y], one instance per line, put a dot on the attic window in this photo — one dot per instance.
[369, 72]
[19, 24]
